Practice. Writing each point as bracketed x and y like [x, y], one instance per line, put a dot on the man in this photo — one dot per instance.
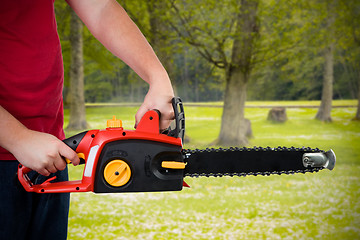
[31, 110]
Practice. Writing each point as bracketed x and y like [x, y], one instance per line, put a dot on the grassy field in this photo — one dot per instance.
[324, 205]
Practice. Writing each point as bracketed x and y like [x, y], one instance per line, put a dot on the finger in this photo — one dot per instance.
[139, 114]
[60, 164]
[51, 168]
[164, 125]
[166, 119]
[43, 172]
[70, 154]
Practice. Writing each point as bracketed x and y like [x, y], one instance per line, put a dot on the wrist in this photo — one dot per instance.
[19, 136]
[12, 132]
[161, 84]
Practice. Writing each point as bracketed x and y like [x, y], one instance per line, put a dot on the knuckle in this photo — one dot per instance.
[51, 155]
[42, 165]
[44, 173]
[72, 154]
[61, 165]
[40, 168]
[168, 112]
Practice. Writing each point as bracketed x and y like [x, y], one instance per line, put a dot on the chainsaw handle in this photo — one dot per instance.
[154, 126]
[73, 142]
[179, 131]
[24, 179]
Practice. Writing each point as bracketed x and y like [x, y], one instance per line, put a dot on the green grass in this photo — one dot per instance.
[324, 205]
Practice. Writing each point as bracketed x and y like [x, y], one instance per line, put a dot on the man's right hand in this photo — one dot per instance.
[43, 152]
[38, 151]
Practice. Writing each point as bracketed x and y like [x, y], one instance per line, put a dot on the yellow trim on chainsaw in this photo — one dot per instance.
[80, 155]
[173, 165]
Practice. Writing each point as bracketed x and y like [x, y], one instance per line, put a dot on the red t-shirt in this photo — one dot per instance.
[31, 67]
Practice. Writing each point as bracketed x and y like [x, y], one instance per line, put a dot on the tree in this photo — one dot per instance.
[77, 120]
[233, 126]
[357, 115]
[161, 36]
[227, 36]
[153, 24]
[63, 16]
[352, 20]
[324, 111]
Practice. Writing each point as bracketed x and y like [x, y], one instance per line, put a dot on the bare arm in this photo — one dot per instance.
[111, 25]
[41, 152]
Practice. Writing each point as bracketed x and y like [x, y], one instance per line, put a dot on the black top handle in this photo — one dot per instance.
[179, 130]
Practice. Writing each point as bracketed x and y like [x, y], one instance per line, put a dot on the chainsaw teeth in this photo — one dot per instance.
[188, 153]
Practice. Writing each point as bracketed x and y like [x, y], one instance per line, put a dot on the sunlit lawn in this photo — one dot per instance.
[324, 205]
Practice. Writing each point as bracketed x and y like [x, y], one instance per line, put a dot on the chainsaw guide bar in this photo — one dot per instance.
[212, 162]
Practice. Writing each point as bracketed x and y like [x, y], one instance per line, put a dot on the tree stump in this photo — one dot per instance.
[277, 114]
[249, 132]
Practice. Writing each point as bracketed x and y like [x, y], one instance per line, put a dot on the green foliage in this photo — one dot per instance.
[322, 205]
[297, 73]
[62, 13]
[288, 62]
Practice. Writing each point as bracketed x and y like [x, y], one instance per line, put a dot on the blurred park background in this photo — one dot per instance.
[230, 61]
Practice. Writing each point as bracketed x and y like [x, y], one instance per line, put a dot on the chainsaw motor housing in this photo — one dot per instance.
[118, 160]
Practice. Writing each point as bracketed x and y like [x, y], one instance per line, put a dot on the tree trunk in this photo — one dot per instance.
[185, 75]
[77, 119]
[233, 124]
[233, 128]
[324, 112]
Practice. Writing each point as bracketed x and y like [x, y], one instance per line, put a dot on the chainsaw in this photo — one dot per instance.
[147, 160]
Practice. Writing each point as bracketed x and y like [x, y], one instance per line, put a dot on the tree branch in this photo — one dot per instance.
[190, 38]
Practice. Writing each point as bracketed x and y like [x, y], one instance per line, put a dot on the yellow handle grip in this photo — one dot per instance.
[80, 155]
